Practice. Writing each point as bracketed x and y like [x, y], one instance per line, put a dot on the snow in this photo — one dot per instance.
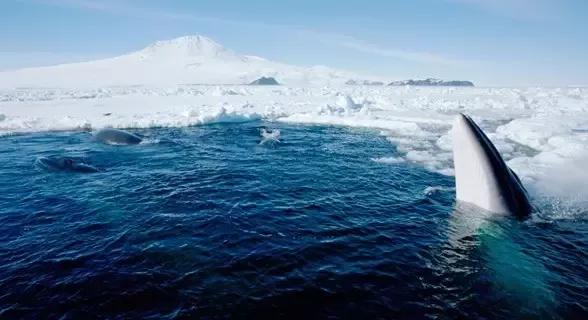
[533, 128]
[185, 60]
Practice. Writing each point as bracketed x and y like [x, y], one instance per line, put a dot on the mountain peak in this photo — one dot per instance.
[188, 46]
[185, 60]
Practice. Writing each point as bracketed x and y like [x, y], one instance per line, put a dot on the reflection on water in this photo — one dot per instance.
[513, 273]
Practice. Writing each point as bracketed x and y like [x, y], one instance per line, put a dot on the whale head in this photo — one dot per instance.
[482, 178]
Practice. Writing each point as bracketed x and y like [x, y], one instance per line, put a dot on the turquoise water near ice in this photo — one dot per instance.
[204, 222]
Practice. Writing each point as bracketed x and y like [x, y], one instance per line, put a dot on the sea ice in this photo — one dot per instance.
[537, 130]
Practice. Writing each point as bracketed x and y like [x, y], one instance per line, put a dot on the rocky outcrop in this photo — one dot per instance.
[433, 83]
[364, 83]
[265, 81]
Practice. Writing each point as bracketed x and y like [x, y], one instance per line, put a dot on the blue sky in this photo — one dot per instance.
[492, 42]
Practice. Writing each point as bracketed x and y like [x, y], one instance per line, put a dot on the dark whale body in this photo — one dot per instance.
[64, 164]
[117, 137]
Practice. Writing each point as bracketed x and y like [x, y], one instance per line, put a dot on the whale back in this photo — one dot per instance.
[117, 137]
[64, 164]
[482, 177]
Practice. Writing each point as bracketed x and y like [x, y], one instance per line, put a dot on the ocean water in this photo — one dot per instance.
[206, 222]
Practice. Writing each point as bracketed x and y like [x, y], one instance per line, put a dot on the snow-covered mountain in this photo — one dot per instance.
[185, 60]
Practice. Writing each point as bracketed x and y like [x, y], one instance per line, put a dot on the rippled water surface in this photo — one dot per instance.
[204, 222]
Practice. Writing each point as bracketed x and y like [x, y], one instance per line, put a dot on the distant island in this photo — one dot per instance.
[433, 83]
[364, 83]
[265, 81]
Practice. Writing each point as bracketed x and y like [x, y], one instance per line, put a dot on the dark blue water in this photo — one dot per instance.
[204, 222]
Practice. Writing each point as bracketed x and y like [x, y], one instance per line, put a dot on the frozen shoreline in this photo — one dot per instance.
[538, 130]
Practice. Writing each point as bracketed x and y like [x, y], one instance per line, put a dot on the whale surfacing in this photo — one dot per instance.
[269, 136]
[117, 137]
[482, 178]
[64, 164]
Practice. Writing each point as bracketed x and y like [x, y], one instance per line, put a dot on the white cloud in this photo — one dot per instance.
[521, 9]
[358, 45]
[11, 60]
[120, 8]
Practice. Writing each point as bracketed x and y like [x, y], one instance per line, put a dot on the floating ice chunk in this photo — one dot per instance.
[445, 142]
[220, 91]
[331, 110]
[347, 102]
[419, 156]
[274, 112]
[388, 160]
[430, 190]
[345, 106]
[191, 113]
[222, 115]
[446, 171]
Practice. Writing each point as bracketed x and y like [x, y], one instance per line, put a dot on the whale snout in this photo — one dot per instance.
[482, 177]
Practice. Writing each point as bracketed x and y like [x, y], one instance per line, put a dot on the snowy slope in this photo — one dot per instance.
[185, 60]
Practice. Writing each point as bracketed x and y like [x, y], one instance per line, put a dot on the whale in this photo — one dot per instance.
[64, 164]
[269, 135]
[488, 194]
[474, 234]
[116, 137]
[482, 178]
